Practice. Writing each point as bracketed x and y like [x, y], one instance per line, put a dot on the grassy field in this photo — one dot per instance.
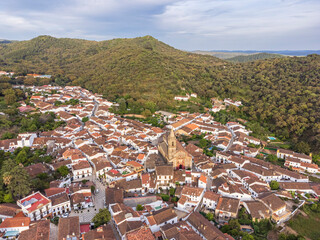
[307, 225]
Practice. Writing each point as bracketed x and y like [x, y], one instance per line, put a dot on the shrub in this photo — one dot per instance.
[139, 207]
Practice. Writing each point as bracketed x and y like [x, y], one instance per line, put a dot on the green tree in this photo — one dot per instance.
[139, 207]
[274, 185]
[10, 96]
[8, 198]
[203, 143]
[174, 199]
[7, 166]
[272, 158]
[7, 135]
[147, 113]
[93, 188]
[102, 217]
[172, 191]
[122, 106]
[247, 236]
[85, 119]
[210, 216]
[18, 181]
[165, 197]
[22, 157]
[10, 99]
[302, 147]
[63, 171]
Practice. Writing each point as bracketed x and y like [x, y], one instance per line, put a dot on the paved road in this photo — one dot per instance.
[95, 108]
[209, 183]
[86, 215]
[53, 232]
[230, 143]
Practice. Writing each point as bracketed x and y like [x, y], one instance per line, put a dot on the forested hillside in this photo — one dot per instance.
[282, 94]
[253, 57]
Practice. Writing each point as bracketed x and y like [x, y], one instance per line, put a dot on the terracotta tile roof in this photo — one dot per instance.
[228, 205]
[103, 232]
[60, 198]
[164, 215]
[151, 220]
[35, 201]
[211, 196]
[145, 178]
[139, 234]
[257, 209]
[68, 226]
[15, 222]
[206, 228]
[53, 191]
[128, 226]
[81, 165]
[39, 230]
[35, 169]
[9, 209]
[203, 178]
[192, 191]
[272, 201]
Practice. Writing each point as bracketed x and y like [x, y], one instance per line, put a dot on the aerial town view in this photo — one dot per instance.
[160, 120]
[100, 175]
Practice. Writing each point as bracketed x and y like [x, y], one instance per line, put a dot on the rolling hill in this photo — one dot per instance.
[253, 57]
[282, 94]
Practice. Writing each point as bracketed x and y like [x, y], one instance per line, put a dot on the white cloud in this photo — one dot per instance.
[234, 17]
[187, 24]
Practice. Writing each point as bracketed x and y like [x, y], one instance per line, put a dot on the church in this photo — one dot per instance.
[172, 150]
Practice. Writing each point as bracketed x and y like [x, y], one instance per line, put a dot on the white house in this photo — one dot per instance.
[163, 217]
[26, 139]
[81, 169]
[190, 197]
[35, 206]
[210, 200]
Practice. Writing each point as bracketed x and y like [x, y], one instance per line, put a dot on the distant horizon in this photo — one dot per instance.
[203, 50]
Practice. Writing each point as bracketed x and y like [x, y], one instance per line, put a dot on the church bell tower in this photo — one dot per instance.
[172, 144]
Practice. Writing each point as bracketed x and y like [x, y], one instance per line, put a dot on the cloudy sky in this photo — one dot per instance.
[184, 24]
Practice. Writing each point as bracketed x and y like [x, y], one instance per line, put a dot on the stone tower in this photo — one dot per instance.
[172, 144]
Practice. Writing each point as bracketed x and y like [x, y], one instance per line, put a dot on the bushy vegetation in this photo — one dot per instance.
[253, 57]
[307, 226]
[15, 182]
[102, 217]
[12, 122]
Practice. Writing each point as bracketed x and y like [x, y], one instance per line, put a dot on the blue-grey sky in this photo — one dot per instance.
[184, 24]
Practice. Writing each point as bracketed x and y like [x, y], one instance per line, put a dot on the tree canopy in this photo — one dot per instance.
[102, 217]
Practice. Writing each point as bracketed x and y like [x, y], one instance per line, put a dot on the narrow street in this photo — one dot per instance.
[230, 143]
[86, 215]
[95, 109]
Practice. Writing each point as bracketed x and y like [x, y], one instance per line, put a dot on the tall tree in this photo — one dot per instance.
[19, 182]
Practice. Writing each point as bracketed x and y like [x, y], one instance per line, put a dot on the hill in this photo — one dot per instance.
[253, 57]
[222, 55]
[142, 67]
[282, 94]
